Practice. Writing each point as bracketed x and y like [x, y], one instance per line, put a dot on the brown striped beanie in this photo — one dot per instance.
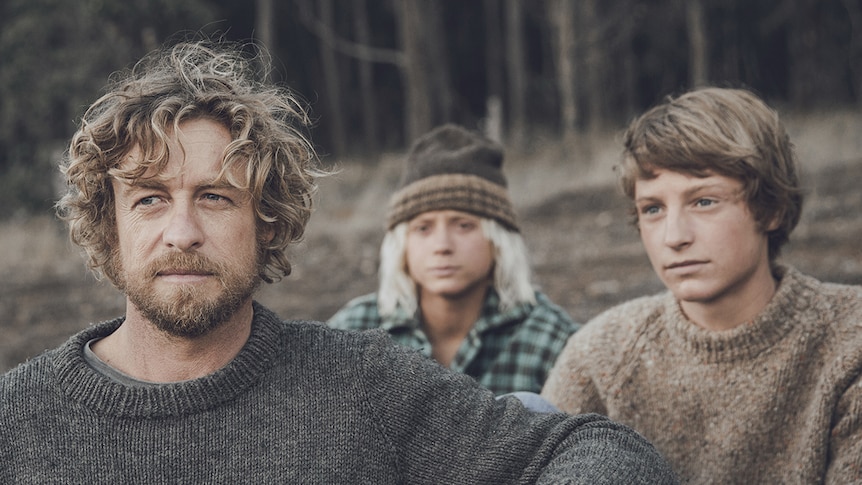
[453, 168]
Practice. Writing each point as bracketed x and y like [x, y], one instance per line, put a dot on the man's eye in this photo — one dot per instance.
[649, 210]
[704, 202]
[148, 200]
[214, 197]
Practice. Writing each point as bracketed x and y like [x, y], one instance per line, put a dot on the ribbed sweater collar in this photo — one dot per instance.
[784, 312]
[87, 387]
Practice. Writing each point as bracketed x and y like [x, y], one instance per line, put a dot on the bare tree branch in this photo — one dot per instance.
[346, 47]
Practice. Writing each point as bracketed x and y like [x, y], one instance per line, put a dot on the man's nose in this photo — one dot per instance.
[183, 229]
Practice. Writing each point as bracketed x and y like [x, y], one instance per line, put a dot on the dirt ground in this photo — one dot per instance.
[586, 255]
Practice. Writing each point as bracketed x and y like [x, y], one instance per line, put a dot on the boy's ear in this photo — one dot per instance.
[773, 223]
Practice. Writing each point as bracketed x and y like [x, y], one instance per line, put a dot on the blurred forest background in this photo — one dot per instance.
[379, 72]
[553, 80]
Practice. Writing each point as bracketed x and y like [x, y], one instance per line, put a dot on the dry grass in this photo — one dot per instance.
[585, 256]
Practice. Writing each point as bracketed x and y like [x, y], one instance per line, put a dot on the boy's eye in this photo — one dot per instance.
[704, 202]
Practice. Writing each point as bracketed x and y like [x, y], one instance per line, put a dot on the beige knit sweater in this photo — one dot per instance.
[775, 401]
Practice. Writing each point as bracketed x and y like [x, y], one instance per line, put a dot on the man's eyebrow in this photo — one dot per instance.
[145, 183]
[216, 184]
[154, 183]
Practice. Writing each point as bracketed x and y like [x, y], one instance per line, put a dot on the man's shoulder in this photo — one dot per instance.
[308, 334]
[29, 380]
[360, 313]
[37, 364]
[42, 367]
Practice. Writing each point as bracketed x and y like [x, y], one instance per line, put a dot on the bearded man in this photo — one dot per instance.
[187, 182]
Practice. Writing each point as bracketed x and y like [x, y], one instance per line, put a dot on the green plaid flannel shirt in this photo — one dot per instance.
[505, 352]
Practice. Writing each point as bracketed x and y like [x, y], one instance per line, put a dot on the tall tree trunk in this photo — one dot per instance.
[804, 69]
[264, 29]
[629, 64]
[594, 64]
[562, 18]
[516, 70]
[437, 62]
[331, 80]
[366, 78]
[854, 11]
[418, 114]
[697, 44]
[493, 71]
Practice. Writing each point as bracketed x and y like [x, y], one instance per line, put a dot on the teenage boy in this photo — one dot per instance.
[745, 370]
[454, 272]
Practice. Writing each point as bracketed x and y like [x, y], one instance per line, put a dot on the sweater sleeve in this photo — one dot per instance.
[570, 385]
[444, 428]
[845, 445]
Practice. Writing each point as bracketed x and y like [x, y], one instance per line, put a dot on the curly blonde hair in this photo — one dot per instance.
[193, 80]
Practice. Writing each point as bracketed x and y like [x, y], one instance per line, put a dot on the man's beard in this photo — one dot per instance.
[188, 311]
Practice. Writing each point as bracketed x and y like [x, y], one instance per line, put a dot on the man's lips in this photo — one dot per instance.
[183, 272]
[183, 275]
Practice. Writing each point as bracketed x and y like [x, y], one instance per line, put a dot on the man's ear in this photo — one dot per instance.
[266, 233]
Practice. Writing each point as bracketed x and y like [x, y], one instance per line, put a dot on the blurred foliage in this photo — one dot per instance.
[55, 56]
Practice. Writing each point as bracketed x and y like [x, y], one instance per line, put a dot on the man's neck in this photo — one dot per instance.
[139, 349]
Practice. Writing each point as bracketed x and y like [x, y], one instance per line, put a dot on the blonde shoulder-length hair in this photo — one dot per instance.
[512, 276]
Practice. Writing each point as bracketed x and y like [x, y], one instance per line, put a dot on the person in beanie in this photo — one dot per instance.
[745, 370]
[454, 272]
[187, 181]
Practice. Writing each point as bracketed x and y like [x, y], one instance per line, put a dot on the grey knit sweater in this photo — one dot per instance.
[778, 400]
[301, 403]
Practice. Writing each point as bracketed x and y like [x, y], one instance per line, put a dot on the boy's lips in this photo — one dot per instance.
[685, 265]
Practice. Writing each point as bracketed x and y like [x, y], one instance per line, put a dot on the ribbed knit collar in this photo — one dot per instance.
[787, 308]
[87, 387]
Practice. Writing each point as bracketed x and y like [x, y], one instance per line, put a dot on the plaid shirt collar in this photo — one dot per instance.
[489, 319]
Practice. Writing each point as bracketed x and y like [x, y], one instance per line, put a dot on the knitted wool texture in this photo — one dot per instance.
[456, 169]
[300, 403]
[778, 400]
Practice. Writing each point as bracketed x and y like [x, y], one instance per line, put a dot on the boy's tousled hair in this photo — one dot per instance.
[729, 132]
[269, 156]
